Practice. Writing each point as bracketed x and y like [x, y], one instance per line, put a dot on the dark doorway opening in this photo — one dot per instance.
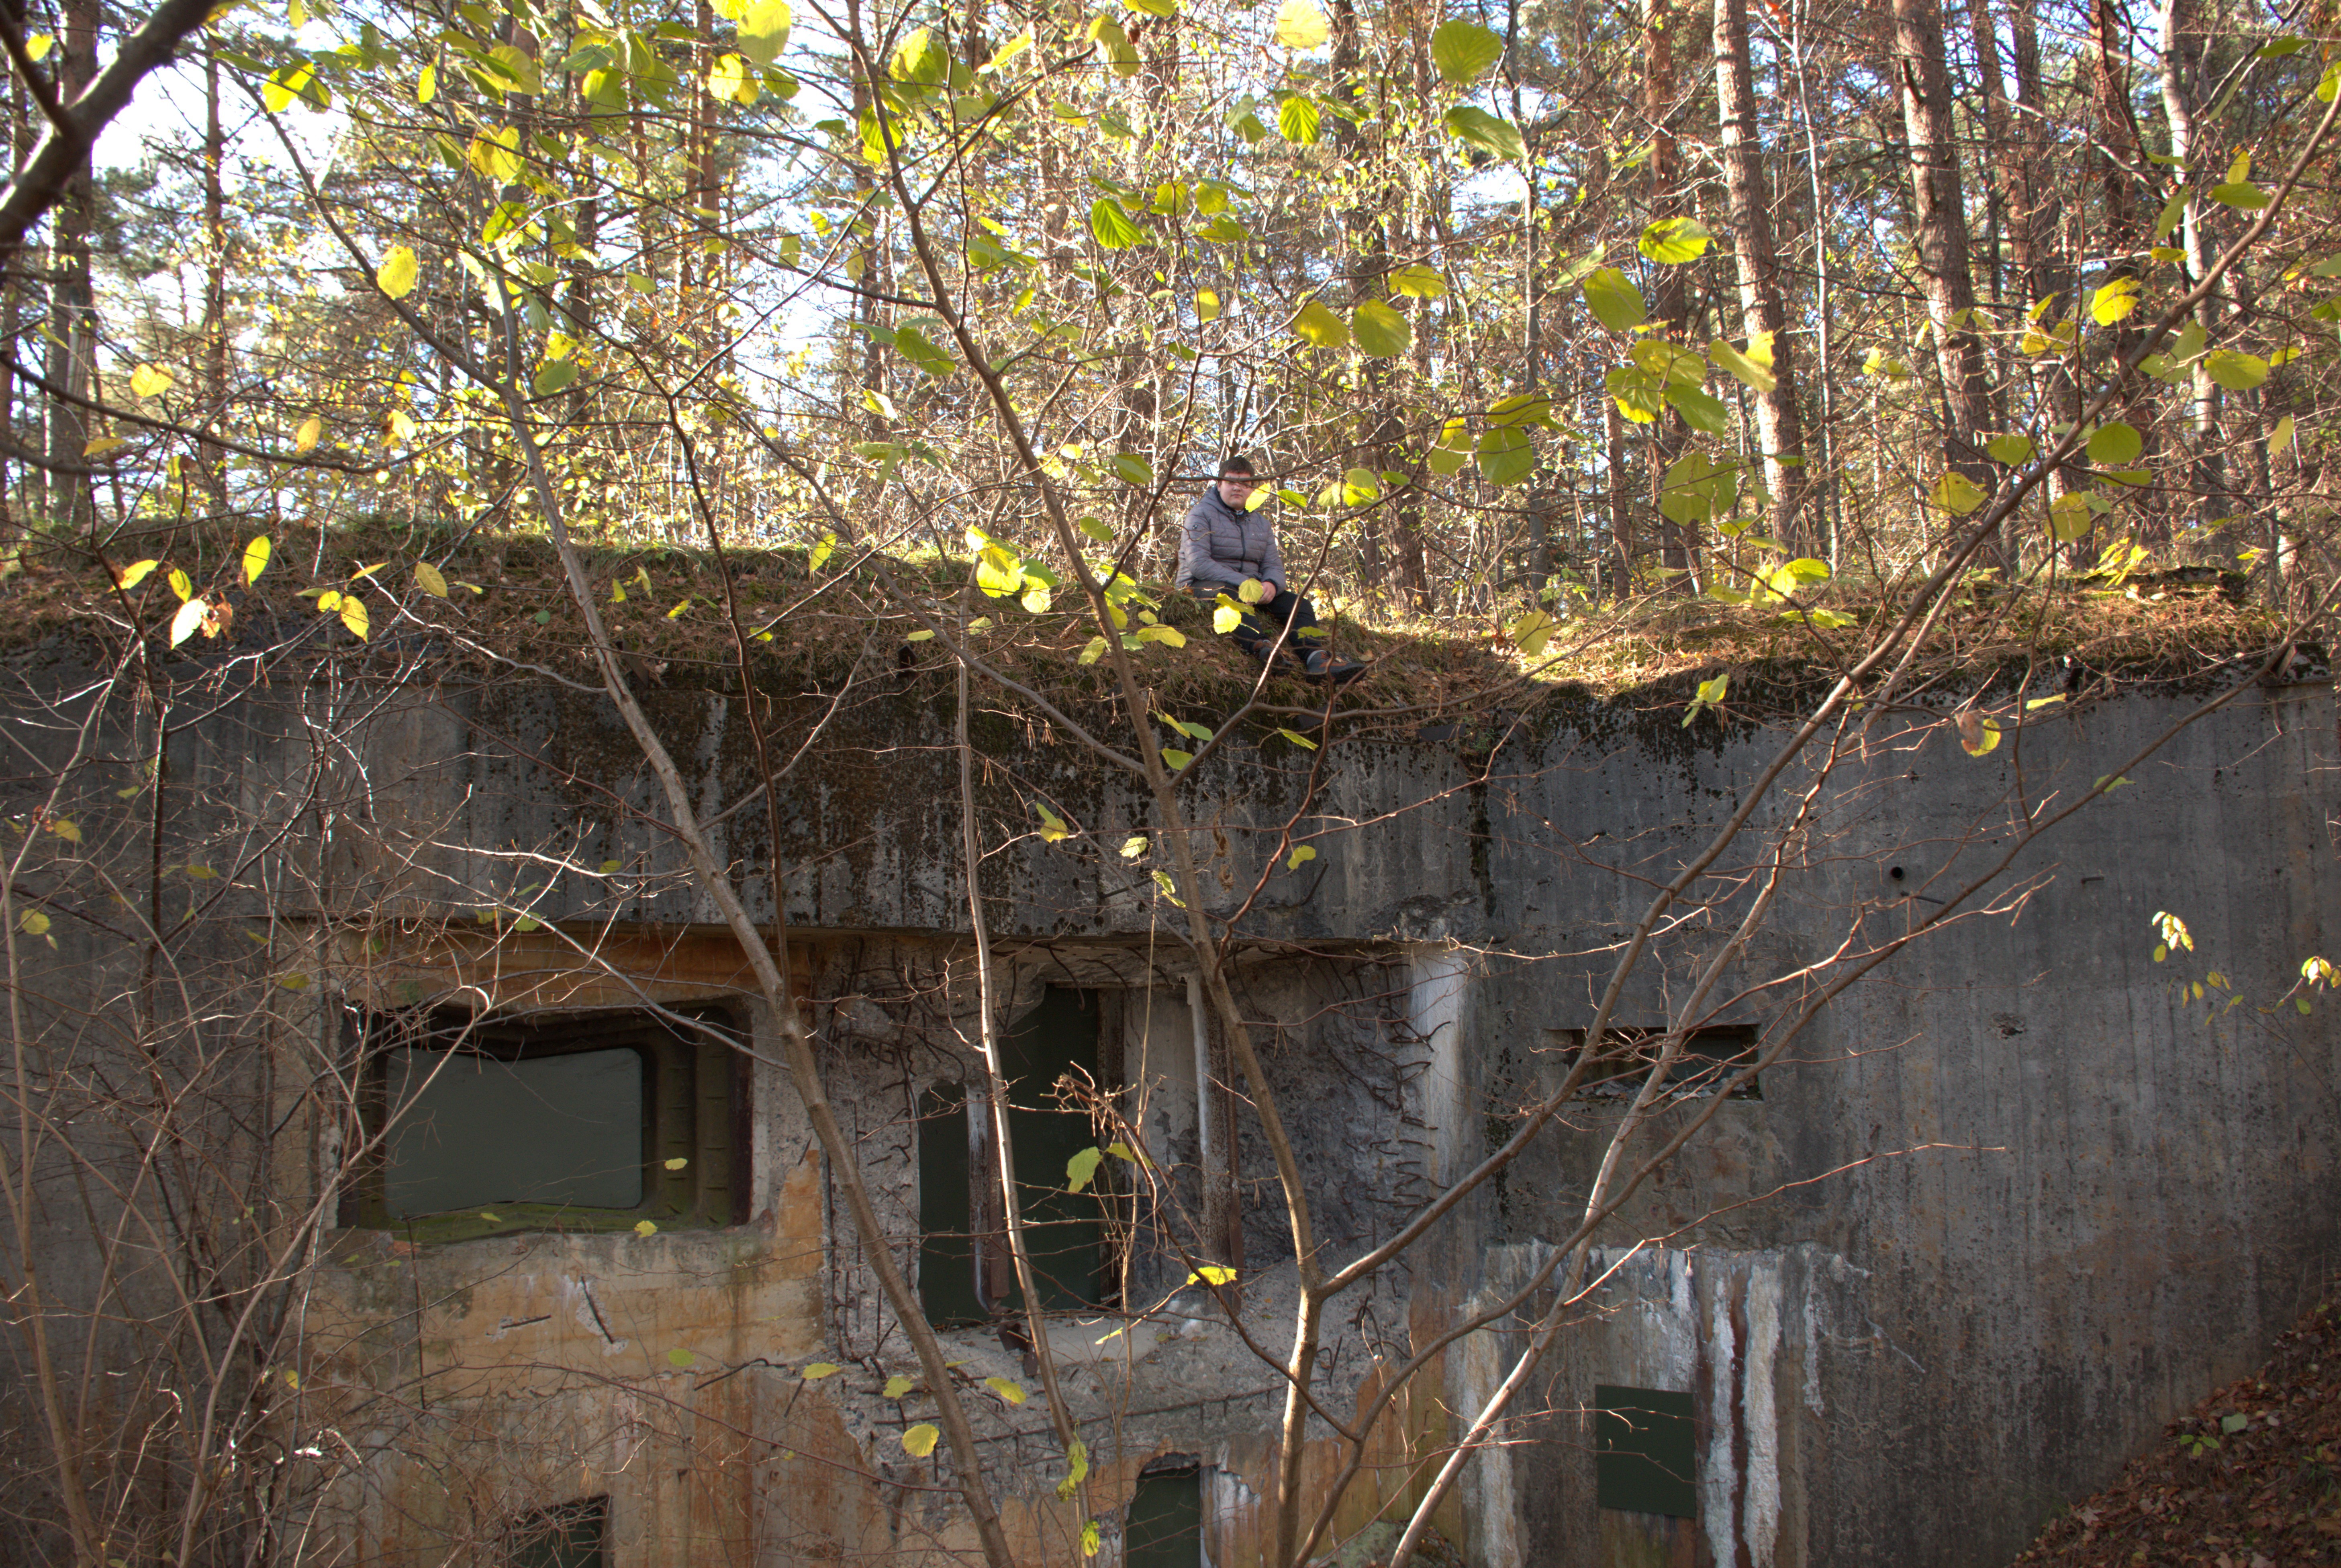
[1164, 1525]
[966, 1271]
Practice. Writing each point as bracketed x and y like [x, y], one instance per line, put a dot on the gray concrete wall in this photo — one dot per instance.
[2004, 1207]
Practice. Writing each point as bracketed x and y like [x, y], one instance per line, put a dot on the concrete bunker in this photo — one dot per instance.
[1967, 1213]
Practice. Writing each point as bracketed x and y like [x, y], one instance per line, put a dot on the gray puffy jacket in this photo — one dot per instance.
[1219, 547]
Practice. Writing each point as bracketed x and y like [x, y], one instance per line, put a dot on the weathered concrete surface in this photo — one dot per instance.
[2006, 1204]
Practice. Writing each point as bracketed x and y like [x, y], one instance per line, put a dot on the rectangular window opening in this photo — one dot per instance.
[572, 1535]
[477, 1125]
[1163, 1527]
[966, 1272]
[1644, 1446]
[1709, 1059]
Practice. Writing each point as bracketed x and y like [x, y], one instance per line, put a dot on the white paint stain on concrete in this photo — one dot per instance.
[1760, 1526]
[1437, 1001]
[1718, 1473]
[1489, 1487]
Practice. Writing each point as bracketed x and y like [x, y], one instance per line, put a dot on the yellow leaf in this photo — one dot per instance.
[676, 1163]
[495, 154]
[1212, 1274]
[191, 615]
[1321, 326]
[181, 585]
[255, 558]
[1092, 1540]
[353, 615]
[38, 46]
[1300, 26]
[150, 381]
[733, 81]
[135, 573]
[1076, 1461]
[818, 1370]
[920, 1440]
[1007, 1389]
[1978, 735]
[430, 579]
[103, 445]
[898, 1386]
[427, 85]
[2280, 438]
[1207, 305]
[310, 432]
[2069, 516]
[398, 271]
[763, 29]
[68, 830]
[33, 923]
[1957, 495]
[2114, 301]
[645, 1227]
[1756, 372]
[1301, 855]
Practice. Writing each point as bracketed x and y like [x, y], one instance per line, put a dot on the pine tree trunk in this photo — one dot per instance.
[2181, 55]
[72, 299]
[1938, 214]
[1670, 307]
[1779, 424]
[210, 459]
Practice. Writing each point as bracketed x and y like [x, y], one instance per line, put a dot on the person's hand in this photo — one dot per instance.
[1267, 591]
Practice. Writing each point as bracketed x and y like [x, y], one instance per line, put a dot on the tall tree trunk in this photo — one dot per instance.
[2182, 64]
[1779, 424]
[1535, 496]
[1622, 491]
[2120, 159]
[12, 290]
[1670, 307]
[2031, 227]
[1381, 430]
[2010, 126]
[72, 303]
[2006, 192]
[210, 457]
[1939, 213]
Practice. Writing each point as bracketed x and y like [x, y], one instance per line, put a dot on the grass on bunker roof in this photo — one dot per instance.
[666, 603]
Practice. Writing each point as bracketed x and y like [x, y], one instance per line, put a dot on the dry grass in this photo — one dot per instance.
[668, 606]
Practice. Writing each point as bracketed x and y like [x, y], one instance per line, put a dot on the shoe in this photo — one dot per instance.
[1322, 666]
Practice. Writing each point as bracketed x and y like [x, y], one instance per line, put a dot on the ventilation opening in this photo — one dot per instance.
[1164, 1525]
[966, 1272]
[1709, 1060]
[1644, 1444]
[585, 1122]
[572, 1535]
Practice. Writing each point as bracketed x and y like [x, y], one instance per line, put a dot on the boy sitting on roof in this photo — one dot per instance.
[1227, 544]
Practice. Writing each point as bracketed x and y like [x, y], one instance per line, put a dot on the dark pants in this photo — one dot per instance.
[1257, 631]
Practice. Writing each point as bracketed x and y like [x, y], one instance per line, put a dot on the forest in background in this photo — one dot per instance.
[1518, 306]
